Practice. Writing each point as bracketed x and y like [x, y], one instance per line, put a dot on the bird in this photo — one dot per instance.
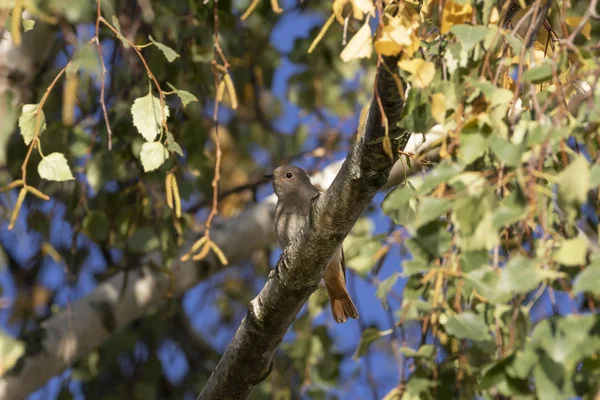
[294, 193]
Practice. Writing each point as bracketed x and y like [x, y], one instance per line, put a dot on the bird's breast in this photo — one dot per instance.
[288, 226]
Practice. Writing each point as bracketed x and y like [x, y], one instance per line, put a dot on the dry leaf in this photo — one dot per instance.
[494, 17]
[573, 22]
[393, 39]
[422, 71]
[454, 14]
[438, 107]
[338, 10]
[360, 46]
[362, 7]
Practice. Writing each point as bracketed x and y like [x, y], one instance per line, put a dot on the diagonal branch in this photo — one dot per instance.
[71, 334]
[248, 360]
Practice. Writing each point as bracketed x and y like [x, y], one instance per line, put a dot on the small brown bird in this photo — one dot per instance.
[294, 193]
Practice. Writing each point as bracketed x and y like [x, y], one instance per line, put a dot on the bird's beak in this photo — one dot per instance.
[271, 177]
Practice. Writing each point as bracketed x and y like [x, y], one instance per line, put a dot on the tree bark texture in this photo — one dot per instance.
[248, 359]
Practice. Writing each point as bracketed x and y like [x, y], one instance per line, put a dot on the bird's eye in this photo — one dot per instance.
[289, 175]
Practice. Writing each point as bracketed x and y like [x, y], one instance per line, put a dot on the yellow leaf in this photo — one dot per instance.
[438, 107]
[422, 71]
[408, 15]
[361, 7]
[573, 22]
[494, 16]
[393, 38]
[338, 9]
[454, 14]
[427, 8]
[360, 46]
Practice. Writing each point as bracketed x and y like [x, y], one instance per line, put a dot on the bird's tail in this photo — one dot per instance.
[342, 306]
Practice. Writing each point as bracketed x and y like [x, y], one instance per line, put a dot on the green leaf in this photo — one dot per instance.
[10, 351]
[472, 146]
[470, 260]
[515, 42]
[518, 276]
[143, 241]
[485, 281]
[431, 208]
[440, 174]
[467, 325]
[369, 335]
[574, 183]
[117, 26]
[549, 378]
[588, 281]
[522, 365]
[469, 35]
[506, 151]
[385, 287]
[417, 386]
[54, 167]
[169, 53]
[400, 205]
[185, 96]
[96, 224]
[147, 117]
[86, 59]
[595, 176]
[494, 373]
[27, 122]
[28, 24]
[511, 210]
[432, 240]
[172, 145]
[153, 155]
[538, 74]
[572, 252]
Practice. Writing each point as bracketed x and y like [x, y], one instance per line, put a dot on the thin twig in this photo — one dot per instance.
[102, 102]
[148, 71]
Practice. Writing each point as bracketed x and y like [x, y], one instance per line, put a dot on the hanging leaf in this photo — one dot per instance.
[120, 36]
[153, 155]
[27, 122]
[467, 325]
[10, 351]
[385, 287]
[360, 46]
[588, 280]
[572, 252]
[147, 117]
[185, 96]
[168, 52]
[54, 167]
[538, 74]
[369, 335]
[469, 35]
[574, 183]
[172, 145]
[422, 72]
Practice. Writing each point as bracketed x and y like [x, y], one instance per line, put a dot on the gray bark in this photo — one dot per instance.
[249, 357]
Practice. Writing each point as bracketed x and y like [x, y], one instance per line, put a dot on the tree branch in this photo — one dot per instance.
[71, 334]
[248, 360]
